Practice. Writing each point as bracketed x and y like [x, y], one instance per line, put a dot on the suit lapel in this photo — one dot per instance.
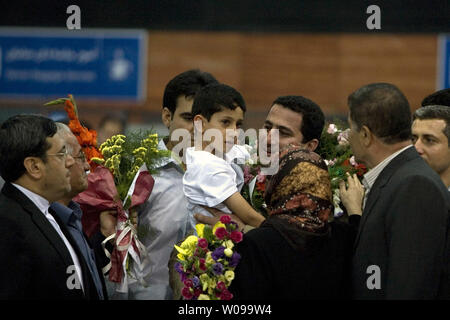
[41, 222]
[380, 183]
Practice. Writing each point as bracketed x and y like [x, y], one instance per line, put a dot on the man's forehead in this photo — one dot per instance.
[56, 141]
[280, 116]
[431, 125]
[184, 104]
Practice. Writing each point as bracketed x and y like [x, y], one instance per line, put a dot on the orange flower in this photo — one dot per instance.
[87, 138]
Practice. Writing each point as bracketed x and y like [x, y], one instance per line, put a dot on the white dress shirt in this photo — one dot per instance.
[43, 206]
[209, 180]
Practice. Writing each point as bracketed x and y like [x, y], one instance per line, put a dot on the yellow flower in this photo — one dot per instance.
[97, 160]
[199, 228]
[229, 244]
[228, 252]
[187, 247]
[203, 297]
[209, 260]
[204, 279]
[229, 275]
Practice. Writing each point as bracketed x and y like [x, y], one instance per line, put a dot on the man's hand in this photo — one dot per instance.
[353, 195]
[108, 221]
[216, 217]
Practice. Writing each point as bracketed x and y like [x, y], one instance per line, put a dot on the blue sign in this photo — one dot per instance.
[444, 62]
[94, 63]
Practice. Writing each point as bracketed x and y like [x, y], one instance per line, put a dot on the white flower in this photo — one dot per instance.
[332, 129]
[352, 161]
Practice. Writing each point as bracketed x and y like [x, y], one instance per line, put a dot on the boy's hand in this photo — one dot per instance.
[216, 217]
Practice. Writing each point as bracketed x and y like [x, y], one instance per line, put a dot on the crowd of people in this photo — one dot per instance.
[393, 242]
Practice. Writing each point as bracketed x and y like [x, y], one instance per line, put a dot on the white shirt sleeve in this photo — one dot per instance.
[208, 180]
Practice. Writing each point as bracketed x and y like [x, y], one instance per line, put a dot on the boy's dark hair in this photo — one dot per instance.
[313, 119]
[441, 98]
[433, 113]
[214, 98]
[188, 84]
[23, 136]
[384, 109]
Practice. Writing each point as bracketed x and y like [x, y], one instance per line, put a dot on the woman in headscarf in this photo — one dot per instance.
[296, 253]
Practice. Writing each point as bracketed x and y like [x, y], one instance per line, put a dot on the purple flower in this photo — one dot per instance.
[196, 281]
[235, 258]
[218, 253]
[218, 268]
[179, 267]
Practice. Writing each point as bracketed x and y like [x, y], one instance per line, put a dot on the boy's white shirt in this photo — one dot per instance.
[209, 180]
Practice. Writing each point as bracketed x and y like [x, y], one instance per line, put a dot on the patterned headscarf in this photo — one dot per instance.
[299, 197]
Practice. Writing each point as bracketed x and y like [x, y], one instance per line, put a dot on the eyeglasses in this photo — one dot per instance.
[63, 155]
[80, 156]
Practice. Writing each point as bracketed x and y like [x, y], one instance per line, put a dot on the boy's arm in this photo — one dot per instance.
[237, 204]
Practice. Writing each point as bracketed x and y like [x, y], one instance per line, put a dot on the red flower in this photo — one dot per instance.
[221, 233]
[187, 294]
[202, 264]
[202, 243]
[221, 286]
[236, 236]
[225, 219]
[197, 292]
[188, 283]
[226, 295]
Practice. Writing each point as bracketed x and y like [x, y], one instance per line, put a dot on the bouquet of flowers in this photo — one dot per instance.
[254, 182]
[120, 180]
[206, 263]
[335, 149]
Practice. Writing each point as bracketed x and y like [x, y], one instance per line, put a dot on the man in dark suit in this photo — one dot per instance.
[69, 212]
[402, 246]
[40, 259]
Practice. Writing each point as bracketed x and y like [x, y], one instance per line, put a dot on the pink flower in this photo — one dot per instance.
[187, 294]
[221, 232]
[202, 243]
[225, 219]
[236, 236]
[353, 162]
[247, 175]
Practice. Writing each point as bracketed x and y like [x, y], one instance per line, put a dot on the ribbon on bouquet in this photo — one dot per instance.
[102, 195]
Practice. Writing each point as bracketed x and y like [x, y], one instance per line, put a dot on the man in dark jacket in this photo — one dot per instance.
[402, 246]
[40, 259]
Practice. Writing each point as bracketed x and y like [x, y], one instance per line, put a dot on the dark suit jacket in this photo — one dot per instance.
[34, 259]
[404, 231]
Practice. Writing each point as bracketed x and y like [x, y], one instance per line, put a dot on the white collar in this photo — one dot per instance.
[372, 174]
[39, 201]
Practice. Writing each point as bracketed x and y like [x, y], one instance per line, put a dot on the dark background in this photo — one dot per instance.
[234, 15]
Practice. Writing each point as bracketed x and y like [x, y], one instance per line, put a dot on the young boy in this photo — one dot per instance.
[211, 178]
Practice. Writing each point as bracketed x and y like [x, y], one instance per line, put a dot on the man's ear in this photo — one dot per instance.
[199, 123]
[166, 117]
[366, 136]
[311, 145]
[34, 167]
